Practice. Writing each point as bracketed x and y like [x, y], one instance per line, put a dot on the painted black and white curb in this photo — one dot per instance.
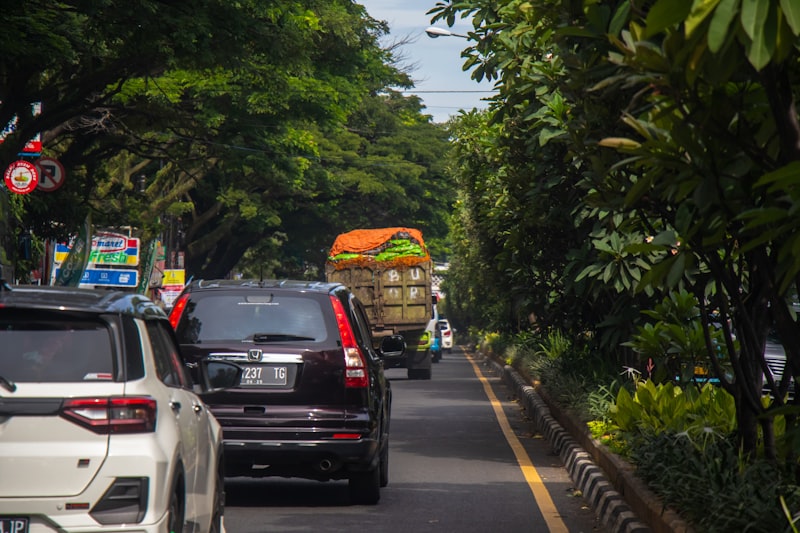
[608, 504]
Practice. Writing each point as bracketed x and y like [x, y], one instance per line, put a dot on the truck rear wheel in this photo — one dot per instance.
[419, 373]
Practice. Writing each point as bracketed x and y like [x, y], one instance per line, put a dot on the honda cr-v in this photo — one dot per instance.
[313, 402]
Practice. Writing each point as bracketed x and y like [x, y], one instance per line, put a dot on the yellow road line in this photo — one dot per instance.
[540, 494]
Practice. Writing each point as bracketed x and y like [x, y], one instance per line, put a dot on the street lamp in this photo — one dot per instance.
[434, 32]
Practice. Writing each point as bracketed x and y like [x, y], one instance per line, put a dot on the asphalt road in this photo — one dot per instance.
[462, 459]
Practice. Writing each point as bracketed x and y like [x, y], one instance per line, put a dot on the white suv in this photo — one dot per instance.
[100, 426]
[447, 334]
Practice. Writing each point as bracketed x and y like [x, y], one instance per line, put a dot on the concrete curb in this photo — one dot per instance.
[608, 504]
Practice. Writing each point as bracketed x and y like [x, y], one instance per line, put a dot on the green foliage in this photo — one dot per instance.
[577, 377]
[254, 131]
[714, 487]
[493, 343]
[676, 340]
[701, 418]
[794, 519]
[554, 345]
[681, 441]
[662, 118]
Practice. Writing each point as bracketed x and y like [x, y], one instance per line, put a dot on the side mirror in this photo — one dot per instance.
[218, 375]
[393, 346]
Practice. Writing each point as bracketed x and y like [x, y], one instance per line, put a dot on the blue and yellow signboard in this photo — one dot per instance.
[113, 260]
[107, 249]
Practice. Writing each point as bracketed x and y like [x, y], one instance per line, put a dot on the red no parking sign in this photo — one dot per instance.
[51, 174]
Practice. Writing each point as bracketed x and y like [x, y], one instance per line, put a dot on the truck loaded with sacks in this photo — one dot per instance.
[389, 270]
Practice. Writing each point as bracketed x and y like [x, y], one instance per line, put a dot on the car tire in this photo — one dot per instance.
[384, 466]
[219, 504]
[365, 487]
[176, 507]
[419, 373]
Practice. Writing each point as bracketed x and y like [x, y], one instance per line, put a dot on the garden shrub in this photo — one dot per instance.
[680, 438]
[713, 487]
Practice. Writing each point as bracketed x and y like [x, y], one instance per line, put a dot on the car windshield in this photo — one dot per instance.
[55, 351]
[251, 318]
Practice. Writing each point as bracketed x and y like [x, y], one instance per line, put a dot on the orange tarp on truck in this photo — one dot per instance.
[389, 247]
[364, 240]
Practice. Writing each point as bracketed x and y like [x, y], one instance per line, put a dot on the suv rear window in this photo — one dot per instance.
[257, 318]
[55, 351]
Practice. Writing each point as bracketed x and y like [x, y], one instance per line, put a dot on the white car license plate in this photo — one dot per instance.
[10, 524]
[263, 376]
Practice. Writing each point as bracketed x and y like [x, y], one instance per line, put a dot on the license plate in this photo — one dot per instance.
[263, 376]
[13, 525]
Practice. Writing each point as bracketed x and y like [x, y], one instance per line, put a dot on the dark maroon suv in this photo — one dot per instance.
[313, 401]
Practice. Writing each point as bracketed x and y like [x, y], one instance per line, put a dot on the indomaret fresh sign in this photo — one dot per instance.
[107, 249]
[110, 254]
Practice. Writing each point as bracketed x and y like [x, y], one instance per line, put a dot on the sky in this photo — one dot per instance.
[439, 80]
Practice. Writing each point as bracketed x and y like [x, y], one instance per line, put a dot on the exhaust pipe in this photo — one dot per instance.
[326, 465]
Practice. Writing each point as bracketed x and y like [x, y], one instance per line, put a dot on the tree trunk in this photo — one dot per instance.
[747, 422]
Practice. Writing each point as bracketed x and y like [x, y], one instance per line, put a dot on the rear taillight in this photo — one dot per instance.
[355, 371]
[177, 310]
[446, 333]
[136, 414]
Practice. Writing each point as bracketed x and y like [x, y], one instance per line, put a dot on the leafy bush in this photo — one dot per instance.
[701, 417]
[680, 439]
[580, 379]
[494, 343]
[554, 345]
[713, 487]
[675, 340]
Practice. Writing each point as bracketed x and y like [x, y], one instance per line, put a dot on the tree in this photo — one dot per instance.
[74, 56]
[209, 138]
[385, 168]
[543, 234]
[702, 197]
[708, 79]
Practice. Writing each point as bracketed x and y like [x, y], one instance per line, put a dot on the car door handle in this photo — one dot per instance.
[176, 406]
[198, 408]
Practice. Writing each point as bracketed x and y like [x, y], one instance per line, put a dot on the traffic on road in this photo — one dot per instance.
[452, 469]
[207, 442]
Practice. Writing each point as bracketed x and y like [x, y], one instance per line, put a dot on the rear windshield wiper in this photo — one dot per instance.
[278, 337]
[10, 386]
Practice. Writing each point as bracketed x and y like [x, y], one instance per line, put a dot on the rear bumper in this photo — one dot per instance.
[128, 458]
[312, 459]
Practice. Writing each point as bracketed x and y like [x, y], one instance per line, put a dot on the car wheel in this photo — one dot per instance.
[365, 487]
[419, 373]
[219, 504]
[176, 508]
[384, 466]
